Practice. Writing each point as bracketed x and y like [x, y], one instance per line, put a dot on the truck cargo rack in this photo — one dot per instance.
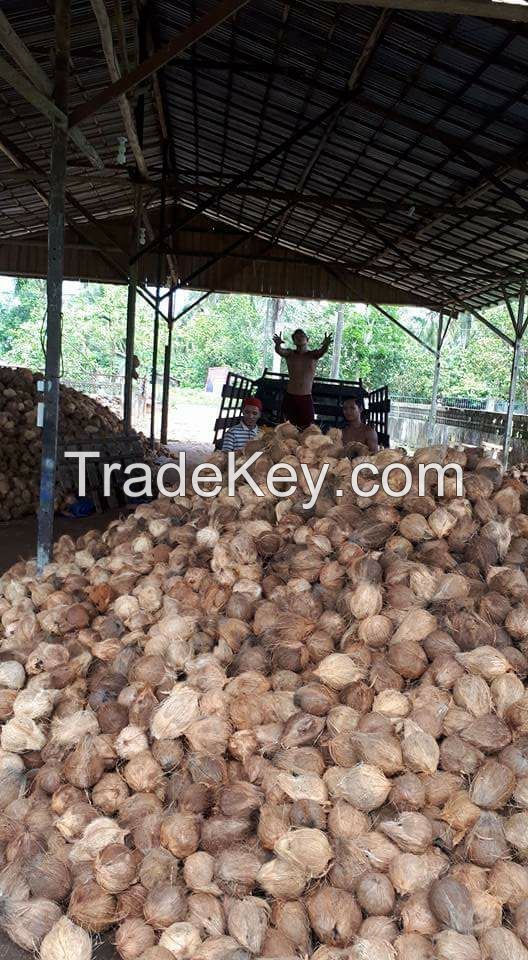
[328, 396]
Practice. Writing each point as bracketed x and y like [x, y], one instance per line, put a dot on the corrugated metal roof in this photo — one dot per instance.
[421, 182]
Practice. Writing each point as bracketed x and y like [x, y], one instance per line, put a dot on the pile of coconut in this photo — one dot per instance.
[81, 419]
[235, 728]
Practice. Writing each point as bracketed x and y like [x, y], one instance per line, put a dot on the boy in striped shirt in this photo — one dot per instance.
[237, 437]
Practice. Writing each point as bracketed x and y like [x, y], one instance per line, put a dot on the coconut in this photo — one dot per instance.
[451, 904]
[407, 792]
[412, 832]
[411, 872]
[493, 785]
[133, 937]
[66, 941]
[515, 831]
[413, 946]
[375, 894]
[417, 916]
[291, 919]
[247, 922]
[486, 841]
[338, 671]
[450, 945]
[485, 661]
[175, 714]
[499, 943]
[115, 868]
[207, 913]
[508, 882]
[371, 948]
[364, 786]
[92, 907]
[334, 915]
[420, 751]
[236, 870]
[182, 940]
[520, 921]
[282, 879]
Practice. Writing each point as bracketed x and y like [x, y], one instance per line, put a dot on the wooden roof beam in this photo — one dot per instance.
[222, 10]
[17, 50]
[515, 10]
[105, 30]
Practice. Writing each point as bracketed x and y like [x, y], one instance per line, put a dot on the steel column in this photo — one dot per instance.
[166, 373]
[519, 330]
[436, 379]
[155, 336]
[54, 291]
[338, 342]
[401, 326]
[131, 314]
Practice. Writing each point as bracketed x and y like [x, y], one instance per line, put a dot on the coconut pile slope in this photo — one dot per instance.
[237, 729]
[81, 420]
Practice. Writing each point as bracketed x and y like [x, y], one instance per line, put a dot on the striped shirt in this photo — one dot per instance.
[237, 437]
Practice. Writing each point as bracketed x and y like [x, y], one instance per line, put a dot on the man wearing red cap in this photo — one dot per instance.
[246, 430]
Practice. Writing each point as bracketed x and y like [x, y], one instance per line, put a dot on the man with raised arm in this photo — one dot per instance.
[297, 404]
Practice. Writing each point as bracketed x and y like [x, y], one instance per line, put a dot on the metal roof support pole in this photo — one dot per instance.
[166, 373]
[131, 312]
[334, 110]
[487, 323]
[520, 327]
[50, 431]
[405, 329]
[159, 279]
[338, 342]
[436, 379]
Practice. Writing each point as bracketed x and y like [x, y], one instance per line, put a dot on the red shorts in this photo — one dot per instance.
[299, 410]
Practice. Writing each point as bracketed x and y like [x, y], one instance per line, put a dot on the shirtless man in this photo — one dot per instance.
[356, 431]
[297, 404]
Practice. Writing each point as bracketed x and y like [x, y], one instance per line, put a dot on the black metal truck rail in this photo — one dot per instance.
[328, 396]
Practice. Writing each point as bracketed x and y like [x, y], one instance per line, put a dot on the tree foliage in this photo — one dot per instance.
[230, 330]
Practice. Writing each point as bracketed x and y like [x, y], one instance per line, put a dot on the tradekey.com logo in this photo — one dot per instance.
[282, 479]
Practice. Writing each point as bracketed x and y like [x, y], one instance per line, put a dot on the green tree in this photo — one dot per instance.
[229, 329]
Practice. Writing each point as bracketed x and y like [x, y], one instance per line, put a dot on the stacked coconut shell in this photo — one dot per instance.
[83, 423]
[234, 728]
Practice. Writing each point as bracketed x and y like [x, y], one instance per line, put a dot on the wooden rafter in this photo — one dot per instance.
[105, 30]
[39, 82]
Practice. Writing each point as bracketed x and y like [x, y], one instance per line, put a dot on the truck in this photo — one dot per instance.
[328, 396]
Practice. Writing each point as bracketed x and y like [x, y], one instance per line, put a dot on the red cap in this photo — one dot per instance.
[252, 402]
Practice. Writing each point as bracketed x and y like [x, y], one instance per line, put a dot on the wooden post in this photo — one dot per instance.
[166, 373]
[338, 343]
[54, 290]
[155, 337]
